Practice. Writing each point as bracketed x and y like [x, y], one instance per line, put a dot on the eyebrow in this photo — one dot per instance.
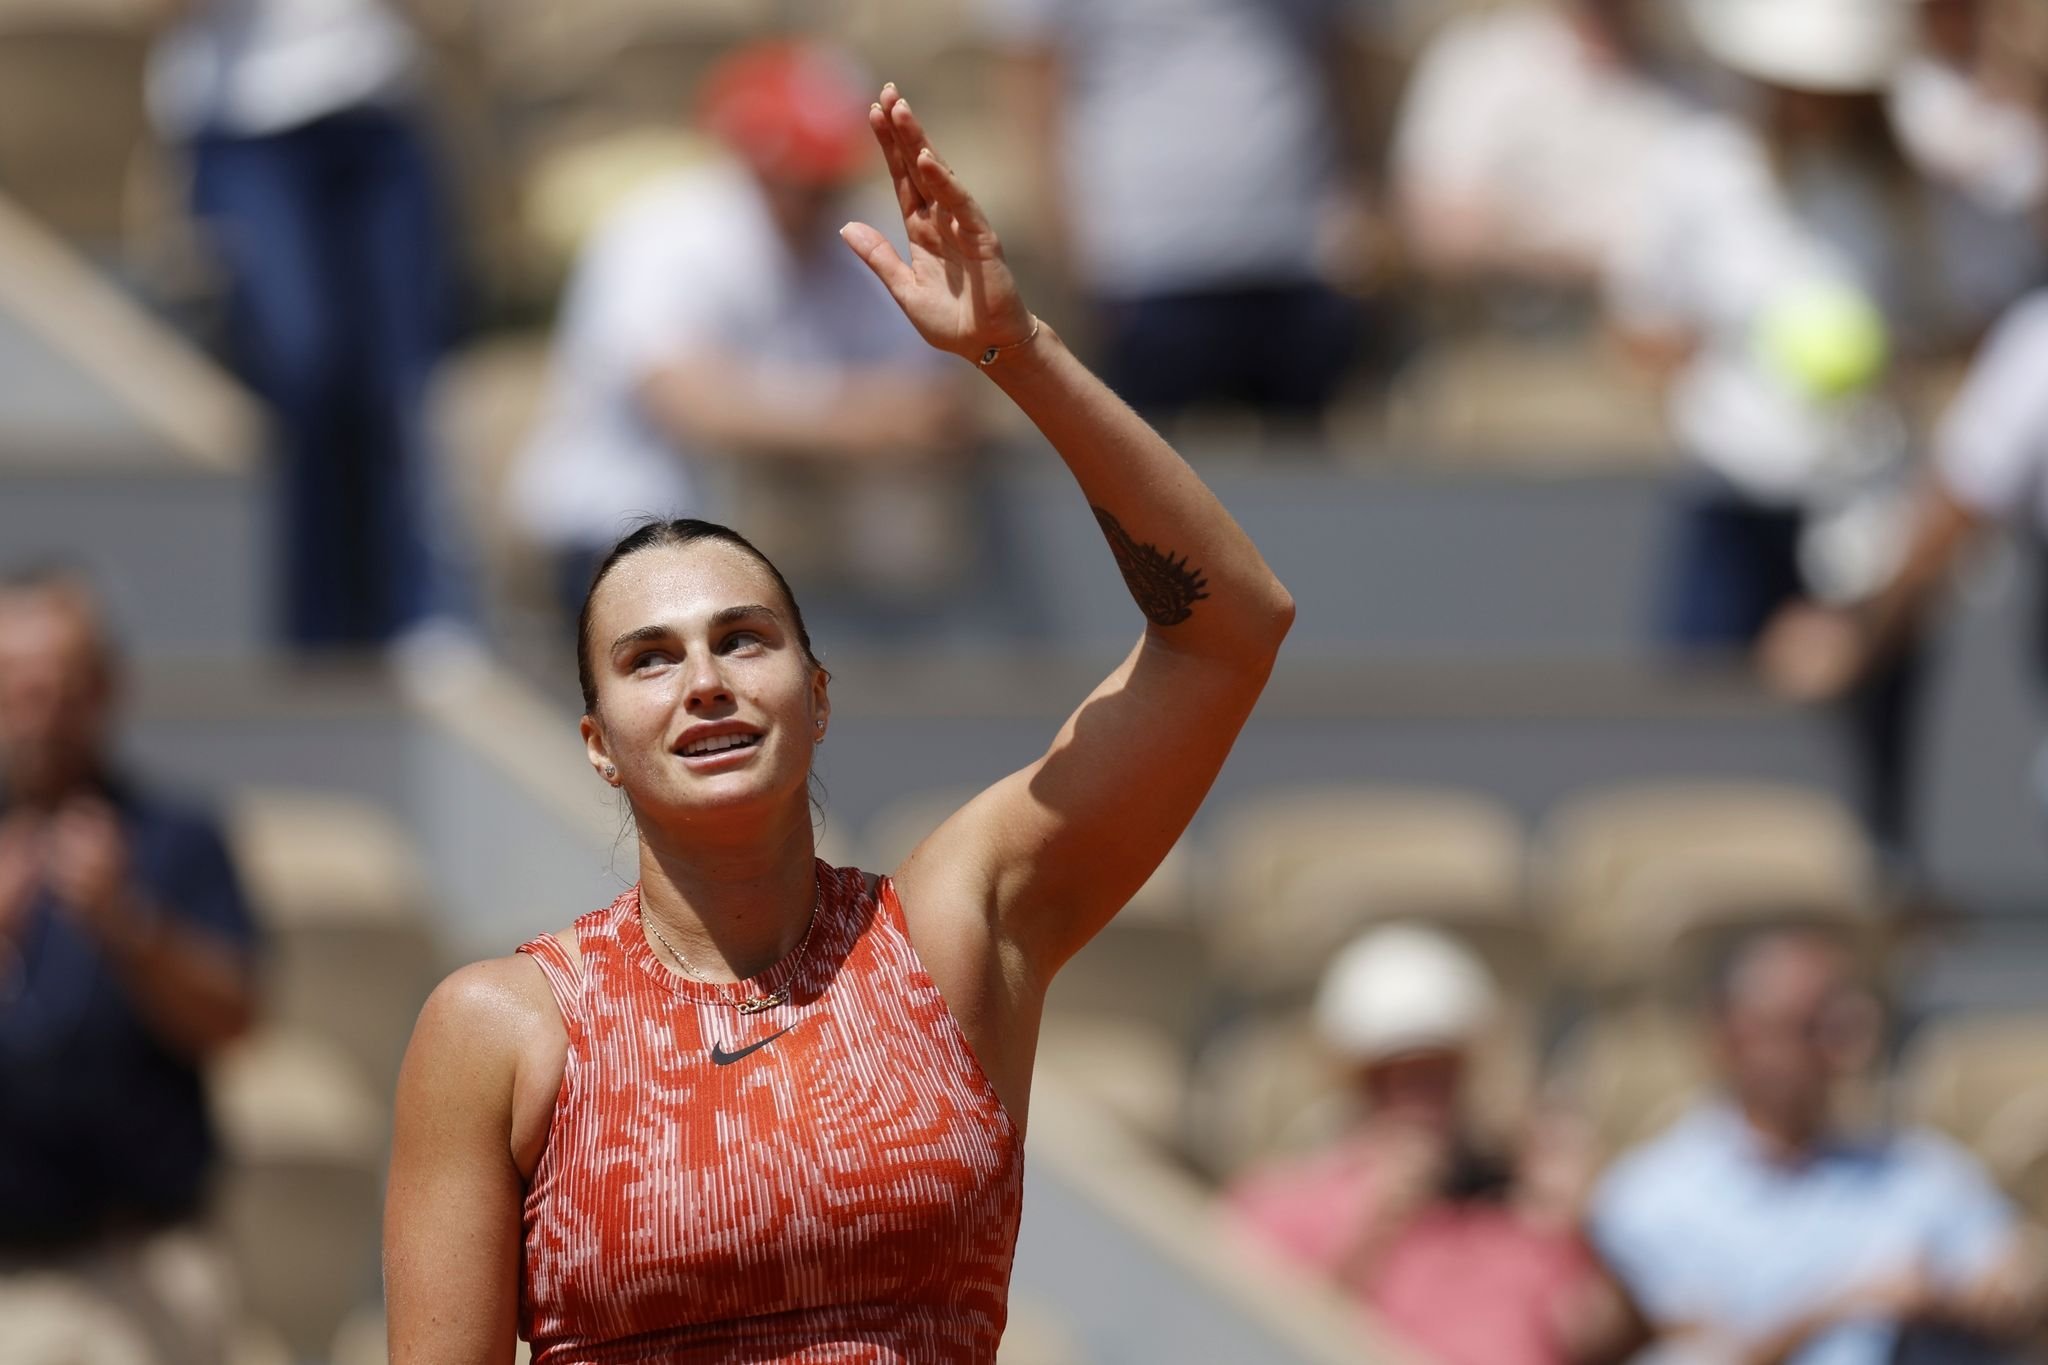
[724, 616]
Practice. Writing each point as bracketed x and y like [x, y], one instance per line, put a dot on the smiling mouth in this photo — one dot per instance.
[718, 744]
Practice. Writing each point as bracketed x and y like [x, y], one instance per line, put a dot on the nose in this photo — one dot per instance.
[705, 689]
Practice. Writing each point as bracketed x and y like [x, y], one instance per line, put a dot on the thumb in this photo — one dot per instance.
[873, 248]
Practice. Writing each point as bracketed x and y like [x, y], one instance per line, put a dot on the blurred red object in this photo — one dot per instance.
[791, 110]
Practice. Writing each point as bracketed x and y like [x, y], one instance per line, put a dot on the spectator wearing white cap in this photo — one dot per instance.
[1474, 1259]
[1784, 269]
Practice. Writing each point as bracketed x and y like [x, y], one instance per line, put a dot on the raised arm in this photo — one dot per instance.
[1047, 855]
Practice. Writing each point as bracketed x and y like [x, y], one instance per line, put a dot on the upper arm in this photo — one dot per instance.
[452, 1212]
[1992, 446]
[1052, 851]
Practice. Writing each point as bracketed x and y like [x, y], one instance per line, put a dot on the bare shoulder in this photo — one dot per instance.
[491, 1046]
[486, 1005]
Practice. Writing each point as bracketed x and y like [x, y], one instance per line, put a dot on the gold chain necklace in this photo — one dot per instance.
[753, 1004]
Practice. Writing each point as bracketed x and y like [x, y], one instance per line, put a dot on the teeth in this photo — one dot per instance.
[717, 744]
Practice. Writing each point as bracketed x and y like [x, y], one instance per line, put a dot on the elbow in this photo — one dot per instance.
[1270, 622]
[1279, 613]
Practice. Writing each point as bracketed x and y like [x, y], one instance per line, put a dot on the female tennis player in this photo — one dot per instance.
[764, 1109]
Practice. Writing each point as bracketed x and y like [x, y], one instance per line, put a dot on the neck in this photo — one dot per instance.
[734, 906]
[1787, 1139]
[1602, 41]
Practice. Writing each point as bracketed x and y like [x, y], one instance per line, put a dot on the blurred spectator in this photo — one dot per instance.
[1525, 139]
[1967, 107]
[1200, 188]
[1781, 267]
[124, 962]
[1474, 1259]
[1990, 468]
[1760, 1228]
[317, 192]
[716, 317]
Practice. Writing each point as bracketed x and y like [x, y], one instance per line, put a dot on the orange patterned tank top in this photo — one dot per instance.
[829, 1181]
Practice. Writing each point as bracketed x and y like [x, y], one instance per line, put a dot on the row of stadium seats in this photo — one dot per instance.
[1188, 1016]
[1623, 891]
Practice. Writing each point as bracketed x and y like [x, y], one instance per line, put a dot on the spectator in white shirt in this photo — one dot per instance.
[1779, 271]
[718, 338]
[1990, 470]
[1524, 142]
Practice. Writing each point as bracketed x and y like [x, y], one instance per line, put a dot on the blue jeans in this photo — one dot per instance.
[338, 259]
[1285, 350]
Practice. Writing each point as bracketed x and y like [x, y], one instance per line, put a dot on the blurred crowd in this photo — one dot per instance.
[506, 277]
[1758, 242]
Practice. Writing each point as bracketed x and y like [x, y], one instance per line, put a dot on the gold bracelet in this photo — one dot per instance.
[994, 353]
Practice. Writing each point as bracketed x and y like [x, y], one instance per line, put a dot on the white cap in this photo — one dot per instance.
[1832, 46]
[1400, 988]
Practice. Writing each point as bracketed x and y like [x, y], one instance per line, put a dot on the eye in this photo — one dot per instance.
[650, 658]
[743, 639]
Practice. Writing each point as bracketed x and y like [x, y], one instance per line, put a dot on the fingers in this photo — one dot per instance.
[948, 191]
[911, 140]
[873, 248]
[909, 198]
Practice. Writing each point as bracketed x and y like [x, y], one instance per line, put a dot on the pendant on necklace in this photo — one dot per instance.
[755, 1004]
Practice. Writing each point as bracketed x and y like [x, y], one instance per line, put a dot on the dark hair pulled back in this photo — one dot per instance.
[655, 534]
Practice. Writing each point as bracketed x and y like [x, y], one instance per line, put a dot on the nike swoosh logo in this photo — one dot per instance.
[720, 1057]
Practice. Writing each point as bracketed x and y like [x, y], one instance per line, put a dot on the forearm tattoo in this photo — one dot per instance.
[1166, 588]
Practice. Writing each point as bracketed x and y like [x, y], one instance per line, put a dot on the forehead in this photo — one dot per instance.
[679, 583]
[1792, 973]
[46, 625]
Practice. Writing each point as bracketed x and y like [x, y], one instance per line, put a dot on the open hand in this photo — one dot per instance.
[955, 289]
[88, 863]
[1812, 653]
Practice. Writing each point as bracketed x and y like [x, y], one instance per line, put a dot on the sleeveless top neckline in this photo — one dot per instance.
[633, 940]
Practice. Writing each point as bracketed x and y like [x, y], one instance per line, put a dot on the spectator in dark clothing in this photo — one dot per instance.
[125, 960]
[318, 192]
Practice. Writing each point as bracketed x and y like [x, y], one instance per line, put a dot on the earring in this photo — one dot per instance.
[611, 774]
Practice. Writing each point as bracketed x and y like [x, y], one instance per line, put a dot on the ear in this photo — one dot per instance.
[598, 751]
[821, 703]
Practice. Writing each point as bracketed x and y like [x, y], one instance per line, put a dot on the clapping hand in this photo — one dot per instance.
[955, 288]
[88, 865]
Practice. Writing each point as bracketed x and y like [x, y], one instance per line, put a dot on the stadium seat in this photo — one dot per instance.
[1265, 1087]
[1983, 1079]
[304, 1140]
[1529, 403]
[1637, 879]
[1302, 871]
[351, 957]
[1630, 1071]
[73, 131]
